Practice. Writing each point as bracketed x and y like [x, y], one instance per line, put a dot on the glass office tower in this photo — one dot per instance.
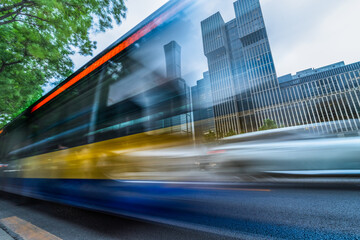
[243, 79]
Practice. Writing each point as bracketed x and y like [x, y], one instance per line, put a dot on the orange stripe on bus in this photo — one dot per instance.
[126, 43]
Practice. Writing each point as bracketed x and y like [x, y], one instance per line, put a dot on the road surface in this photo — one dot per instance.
[241, 211]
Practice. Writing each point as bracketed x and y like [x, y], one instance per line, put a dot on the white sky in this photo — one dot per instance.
[138, 10]
[302, 33]
[312, 33]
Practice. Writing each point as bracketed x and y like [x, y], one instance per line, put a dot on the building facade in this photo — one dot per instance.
[241, 69]
[330, 93]
[173, 60]
[202, 103]
[245, 89]
[181, 119]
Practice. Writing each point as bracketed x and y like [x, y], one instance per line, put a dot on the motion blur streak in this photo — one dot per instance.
[182, 118]
[126, 43]
[242, 189]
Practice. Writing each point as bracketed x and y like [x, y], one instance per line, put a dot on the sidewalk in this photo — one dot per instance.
[5, 236]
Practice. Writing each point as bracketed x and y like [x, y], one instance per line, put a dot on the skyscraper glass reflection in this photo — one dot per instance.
[245, 88]
[241, 68]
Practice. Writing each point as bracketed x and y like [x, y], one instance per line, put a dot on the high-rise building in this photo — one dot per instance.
[180, 121]
[245, 87]
[216, 49]
[173, 60]
[241, 68]
[257, 70]
[202, 103]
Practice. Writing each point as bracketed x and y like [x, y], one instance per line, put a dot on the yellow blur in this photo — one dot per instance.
[115, 159]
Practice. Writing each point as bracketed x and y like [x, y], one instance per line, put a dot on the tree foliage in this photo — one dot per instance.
[230, 133]
[210, 136]
[37, 38]
[268, 124]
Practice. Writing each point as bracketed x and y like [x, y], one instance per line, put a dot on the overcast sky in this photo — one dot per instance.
[302, 33]
[312, 33]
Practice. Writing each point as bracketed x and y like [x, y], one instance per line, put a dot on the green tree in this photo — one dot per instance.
[210, 136]
[37, 39]
[268, 124]
[230, 133]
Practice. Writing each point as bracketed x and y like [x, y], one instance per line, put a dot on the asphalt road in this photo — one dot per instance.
[72, 223]
[245, 211]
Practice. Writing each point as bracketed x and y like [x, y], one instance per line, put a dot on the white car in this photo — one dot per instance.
[317, 149]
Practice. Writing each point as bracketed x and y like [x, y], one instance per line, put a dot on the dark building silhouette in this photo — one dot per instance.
[181, 120]
[173, 60]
